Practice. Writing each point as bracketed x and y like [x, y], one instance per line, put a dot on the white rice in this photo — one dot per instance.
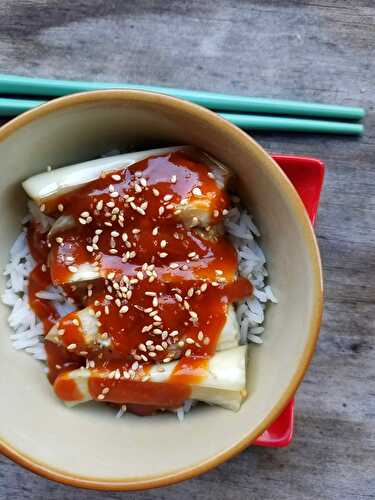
[27, 331]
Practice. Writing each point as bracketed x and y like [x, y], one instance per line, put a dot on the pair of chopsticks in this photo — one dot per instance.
[270, 114]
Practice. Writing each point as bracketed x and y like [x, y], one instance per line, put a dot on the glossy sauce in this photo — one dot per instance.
[162, 287]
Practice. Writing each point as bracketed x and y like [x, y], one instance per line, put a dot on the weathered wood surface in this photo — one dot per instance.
[319, 50]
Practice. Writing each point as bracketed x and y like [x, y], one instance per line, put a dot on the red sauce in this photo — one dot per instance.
[163, 288]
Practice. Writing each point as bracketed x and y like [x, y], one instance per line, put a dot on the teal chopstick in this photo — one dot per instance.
[13, 107]
[12, 84]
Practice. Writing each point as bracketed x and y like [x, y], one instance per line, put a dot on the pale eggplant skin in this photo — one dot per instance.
[59, 181]
[224, 384]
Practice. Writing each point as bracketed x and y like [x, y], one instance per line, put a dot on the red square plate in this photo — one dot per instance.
[306, 175]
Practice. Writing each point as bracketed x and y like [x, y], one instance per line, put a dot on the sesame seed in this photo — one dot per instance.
[219, 272]
[193, 314]
[161, 210]
[124, 309]
[204, 287]
[216, 213]
[75, 322]
[143, 181]
[174, 179]
[189, 341]
[82, 221]
[111, 275]
[225, 211]
[188, 353]
[155, 192]
[73, 269]
[42, 207]
[155, 231]
[214, 283]
[174, 333]
[167, 360]
[186, 305]
[116, 177]
[113, 251]
[101, 396]
[99, 205]
[157, 318]
[111, 188]
[173, 265]
[60, 332]
[44, 268]
[89, 248]
[211, 175]
[117, 374]
[162, 255]
[195, 221]
[152, 354]
[140, 275]
[60, 207]
[115, 234]
[192, 254]
[200, 335]
[138, 188]
[163, 243]
[168, 197]
[85, 214]
[150, 294]
[155, 302]
[178, 297]
[110, 204]
[190, 292]
[115, 194]
[197, 192]
[71, 347]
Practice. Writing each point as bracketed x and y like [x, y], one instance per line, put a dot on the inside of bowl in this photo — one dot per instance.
[88, 441]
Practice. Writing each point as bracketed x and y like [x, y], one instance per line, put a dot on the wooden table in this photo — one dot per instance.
[318, 50]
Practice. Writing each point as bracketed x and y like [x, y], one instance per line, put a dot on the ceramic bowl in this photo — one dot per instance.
[86, 446]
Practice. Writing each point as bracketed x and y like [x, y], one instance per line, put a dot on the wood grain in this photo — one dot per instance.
[313, 50]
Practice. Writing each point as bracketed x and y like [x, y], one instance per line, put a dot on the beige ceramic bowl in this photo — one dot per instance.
[87, 446]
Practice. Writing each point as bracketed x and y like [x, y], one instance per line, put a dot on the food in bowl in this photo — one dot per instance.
[138, 279]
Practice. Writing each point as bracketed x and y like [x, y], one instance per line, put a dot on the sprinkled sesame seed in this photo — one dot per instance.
[71, 347]
[163, 243]
[155, 302]
[113, 251]
[167, 360]
[115, 194]
[204, 287]
[193, 314]
[60, 207]
[225, 211]
[211, 175]
[89, 248]
[188, 353]
[99, 205]
[195, 221]
[216, 213]
[150, 294]
[219, 272]
[115, 234]
[155, 231]
[143, 181]
[174, 179]
[178, 297]
[152, 354]
[173, 265]
[101, 396]
[157, 318]
[162, 255]
[168, 197]
[116, 177]
[140, 275]
[155, 192]
[200, 335]
[44, 268]
[197, 192]
[42, 207]
[190, 292]
[161, 210]
[214, 283]
[73, 269]
[124, 309]
[82, 221]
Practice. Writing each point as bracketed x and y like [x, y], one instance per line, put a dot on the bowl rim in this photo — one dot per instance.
[299, 211]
